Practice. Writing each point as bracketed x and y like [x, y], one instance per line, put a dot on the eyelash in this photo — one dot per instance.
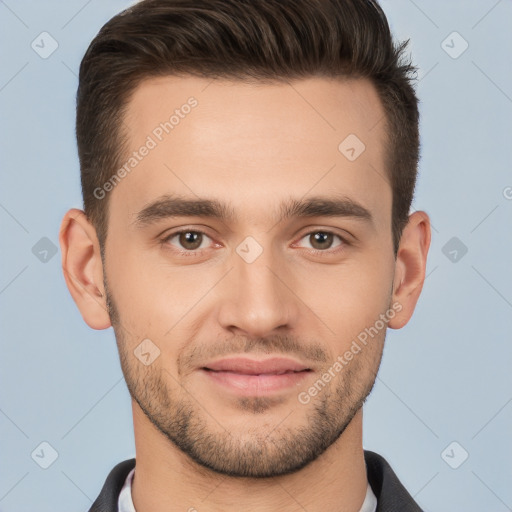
[198, 252]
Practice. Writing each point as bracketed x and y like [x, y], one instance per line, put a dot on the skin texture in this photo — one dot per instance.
[252, 146]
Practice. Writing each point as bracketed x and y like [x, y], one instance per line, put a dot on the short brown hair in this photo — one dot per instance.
[247, 40]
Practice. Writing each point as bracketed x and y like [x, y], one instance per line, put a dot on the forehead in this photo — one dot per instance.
[249, 144]
[301, 107]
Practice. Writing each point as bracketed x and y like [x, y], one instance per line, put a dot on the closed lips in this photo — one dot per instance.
[245, 366]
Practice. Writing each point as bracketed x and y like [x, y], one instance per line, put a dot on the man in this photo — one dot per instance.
[247, 169]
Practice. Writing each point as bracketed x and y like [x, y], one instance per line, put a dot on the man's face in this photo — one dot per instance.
[258, 285]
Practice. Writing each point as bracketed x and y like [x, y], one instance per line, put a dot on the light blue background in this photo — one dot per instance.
[445, 377]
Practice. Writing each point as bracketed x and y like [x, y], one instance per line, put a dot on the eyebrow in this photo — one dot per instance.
[169, 206]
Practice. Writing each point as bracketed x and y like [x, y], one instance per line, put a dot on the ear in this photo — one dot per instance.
[83, 268]
[410, 267]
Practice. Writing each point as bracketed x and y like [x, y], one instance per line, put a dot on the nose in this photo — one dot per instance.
[258, 297]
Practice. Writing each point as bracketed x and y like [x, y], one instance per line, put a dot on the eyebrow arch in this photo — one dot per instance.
[169, 206]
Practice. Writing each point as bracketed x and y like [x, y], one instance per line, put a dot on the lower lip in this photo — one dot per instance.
[256, 385]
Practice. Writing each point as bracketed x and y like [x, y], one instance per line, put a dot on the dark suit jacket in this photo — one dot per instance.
[391, 494]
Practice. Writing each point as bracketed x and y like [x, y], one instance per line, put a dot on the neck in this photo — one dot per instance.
[168, 480]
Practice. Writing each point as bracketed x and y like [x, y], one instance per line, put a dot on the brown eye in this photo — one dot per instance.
[190, 240]
[187, 240]
[322, 240]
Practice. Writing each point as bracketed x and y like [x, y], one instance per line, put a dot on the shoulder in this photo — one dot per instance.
[391, 495]
[109, 494]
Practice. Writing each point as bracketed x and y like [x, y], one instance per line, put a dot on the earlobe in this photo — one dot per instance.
[83, 268]
[410, 267]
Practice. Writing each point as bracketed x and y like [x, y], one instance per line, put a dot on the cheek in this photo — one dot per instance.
[133, 285]
[352, 296]
[153, 297]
